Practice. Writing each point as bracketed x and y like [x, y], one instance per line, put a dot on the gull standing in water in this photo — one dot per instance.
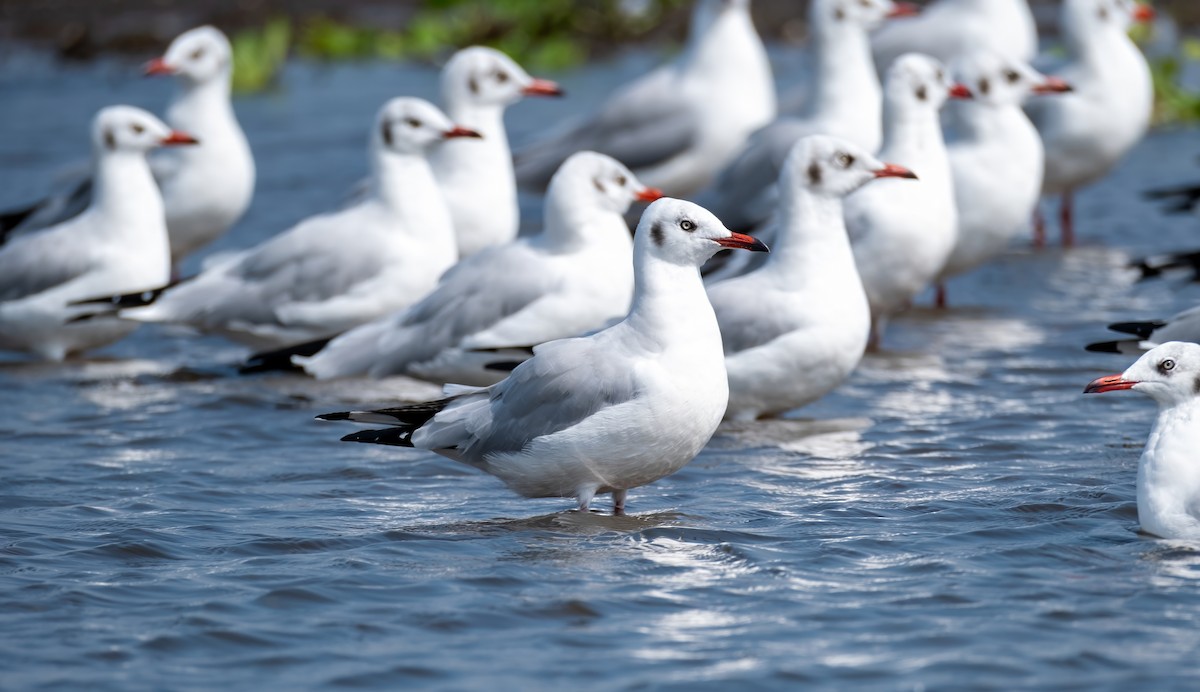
[795, 328]
[996, 158]
[903, 232]
[604, 413]
[1168, 480]
[1089, 130]
[333, 271]
[678, 125]
[205, 189]
[117, 245]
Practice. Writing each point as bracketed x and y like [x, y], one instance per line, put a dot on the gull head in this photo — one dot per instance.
[998, 80]
[686, 234]
[832, 166]
[1169, 374]
[601, 179]
[407, 125]
[196, 56]
[916, 81]
[481, 76]
[866, 14]
[125, 128]
[1083, 17]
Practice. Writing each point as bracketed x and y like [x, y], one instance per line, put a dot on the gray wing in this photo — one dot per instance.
[66, 203]
[564, 383]
[38, 261]
[641, 126]
[750, 318]
[472, 296]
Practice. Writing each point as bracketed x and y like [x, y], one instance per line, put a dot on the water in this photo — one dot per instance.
[957, 515]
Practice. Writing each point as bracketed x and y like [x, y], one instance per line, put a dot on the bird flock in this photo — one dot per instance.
[580, 360]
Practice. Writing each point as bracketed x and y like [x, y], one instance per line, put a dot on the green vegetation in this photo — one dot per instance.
[540, 34]
[1173, 103]
[259, 54]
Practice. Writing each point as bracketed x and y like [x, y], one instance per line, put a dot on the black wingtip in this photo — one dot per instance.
[396, 437]
[502, 366]
[1141, 330]
[280, 360]
[337, 415]
[1104, 347]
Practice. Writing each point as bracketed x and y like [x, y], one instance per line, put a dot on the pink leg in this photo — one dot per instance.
[619, 502]
[939, 300]
[1039, 228]
[1068, 219]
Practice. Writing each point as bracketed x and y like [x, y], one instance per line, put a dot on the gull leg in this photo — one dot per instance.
[1067, 218]
[1039, 227]
[619, 502]
[584, 494]
[939, 300]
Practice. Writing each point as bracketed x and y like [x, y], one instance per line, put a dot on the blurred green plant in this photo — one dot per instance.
[1174, 104]
[259, 55]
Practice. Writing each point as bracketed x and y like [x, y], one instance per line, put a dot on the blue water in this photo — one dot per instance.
[957, 515]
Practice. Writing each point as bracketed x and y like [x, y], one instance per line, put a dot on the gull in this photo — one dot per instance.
[117, 244]
[678, 125]
[603, 413]
[574, 277]
[1168, 483]
[947, 28]
[1184, 326]
[845, 100]
[902, 232]
[333, 271]
[795, 328]
[206, 188]
[1087, 132]
[996, 158]
[477, 178]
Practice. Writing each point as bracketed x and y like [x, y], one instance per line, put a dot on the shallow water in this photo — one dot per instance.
[958, 514]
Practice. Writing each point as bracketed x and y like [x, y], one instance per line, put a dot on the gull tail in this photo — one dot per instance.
[1157, 265]
[405, 420]
[280, 360]
[1141, 330]
[1128, 347]
[515, 356]
[113, 305]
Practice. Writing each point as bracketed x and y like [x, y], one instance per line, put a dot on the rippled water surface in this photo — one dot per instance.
[958, 514]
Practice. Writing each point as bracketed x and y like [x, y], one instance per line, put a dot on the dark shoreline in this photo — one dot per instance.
[84, 29]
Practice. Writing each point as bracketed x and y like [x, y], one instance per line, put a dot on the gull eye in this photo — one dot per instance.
[412, 122]
[1166, 366]
[845, 160]
[621, 180]
[197, 54]
[865, 3]
[501, 76]
[687, 225]
[138, 128]
[941, 75]
[1012, 76]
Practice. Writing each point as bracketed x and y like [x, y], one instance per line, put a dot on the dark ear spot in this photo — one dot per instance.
[1196, 385]
[599, 185]
[110, 140]
[386, 132]
[473, 85]
[814, 173]
[922, 94]
[1103, 14]
[657, 234]
[985, 86]
[839, 14]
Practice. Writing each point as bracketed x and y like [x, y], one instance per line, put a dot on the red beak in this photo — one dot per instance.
[904, 9]
[650, 194]
[1110, 383]
[460, 131]
[960, 91]
[892, 170]
[542, 87]
[177, 138]
[1053, 85]
[1144, 13]
[158, 67]
[739, 241]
